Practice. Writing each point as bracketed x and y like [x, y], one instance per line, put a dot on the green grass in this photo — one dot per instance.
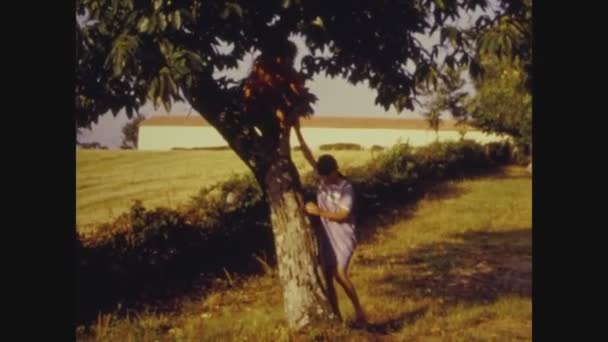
[455, 266]
[108, 182]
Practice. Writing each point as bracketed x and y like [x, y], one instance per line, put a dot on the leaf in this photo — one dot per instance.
[232, 7]
[508, 45]
[443, 35]
[129, 111]
[162, 87]
[169, 86]
[453, 36]
[490, 45]
[177, 20]
[449, 60]
[103, 28]
[157, 4]
[167, 105]
[237, 8]
[475, 69]
[409, 104]
[450, 33]
[152, 26]
[132, 17]
[152, 90]
[162, 20]
[432, 77]
[114, 7]
[155, 103]
[195, 61]
[464, 59]
[165, 47]
[318, 21]
[116, 67]
[143, 25]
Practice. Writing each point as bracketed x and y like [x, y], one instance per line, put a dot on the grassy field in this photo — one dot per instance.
[455, 266]
[108, 182]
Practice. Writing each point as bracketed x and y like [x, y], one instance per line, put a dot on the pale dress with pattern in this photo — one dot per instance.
[338, 241]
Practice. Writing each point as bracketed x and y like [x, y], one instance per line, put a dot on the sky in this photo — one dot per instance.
[336, 97]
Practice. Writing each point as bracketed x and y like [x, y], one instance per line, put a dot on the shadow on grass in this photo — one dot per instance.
[394, 324]
[480, 268]
[511, 172]
[401, 207]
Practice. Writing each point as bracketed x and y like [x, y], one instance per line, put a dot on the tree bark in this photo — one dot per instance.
[304, 299]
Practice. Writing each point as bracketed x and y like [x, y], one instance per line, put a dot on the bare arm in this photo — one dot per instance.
[313, 209]
[345, 205]
[305, 150]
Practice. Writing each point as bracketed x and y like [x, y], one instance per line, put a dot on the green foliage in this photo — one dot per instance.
[502, 104]
[500, 152]
[508, 37]
[452, 159]
[447, 97]
[129, 52]
[507, 34]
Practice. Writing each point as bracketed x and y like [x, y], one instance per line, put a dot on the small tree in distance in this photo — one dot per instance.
[130, 132]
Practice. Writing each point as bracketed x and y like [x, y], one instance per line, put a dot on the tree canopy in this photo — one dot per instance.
[133, 51]
[449, 96]
[501, 104]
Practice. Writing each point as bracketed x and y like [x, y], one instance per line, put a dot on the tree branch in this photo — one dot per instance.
[220, 108]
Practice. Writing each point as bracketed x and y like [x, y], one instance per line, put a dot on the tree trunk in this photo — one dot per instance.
[267, 154]
[304, 299]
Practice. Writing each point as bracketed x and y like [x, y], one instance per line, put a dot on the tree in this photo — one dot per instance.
[130, 132]
[502, 104]
[434, 119]
[133, 51]
[447, 97]
[507, 35]
[498, 53]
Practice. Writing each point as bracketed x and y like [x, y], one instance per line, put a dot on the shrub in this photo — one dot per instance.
[341, 147]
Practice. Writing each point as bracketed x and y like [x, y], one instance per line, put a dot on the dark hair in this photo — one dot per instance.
[326, 164]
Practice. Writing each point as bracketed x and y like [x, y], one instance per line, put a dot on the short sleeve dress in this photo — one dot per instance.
[338, 240]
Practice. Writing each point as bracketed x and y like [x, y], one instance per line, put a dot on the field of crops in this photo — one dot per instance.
[108, 182]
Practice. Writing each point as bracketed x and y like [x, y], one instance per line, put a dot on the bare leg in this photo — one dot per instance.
[342, 278]
[329, 274]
